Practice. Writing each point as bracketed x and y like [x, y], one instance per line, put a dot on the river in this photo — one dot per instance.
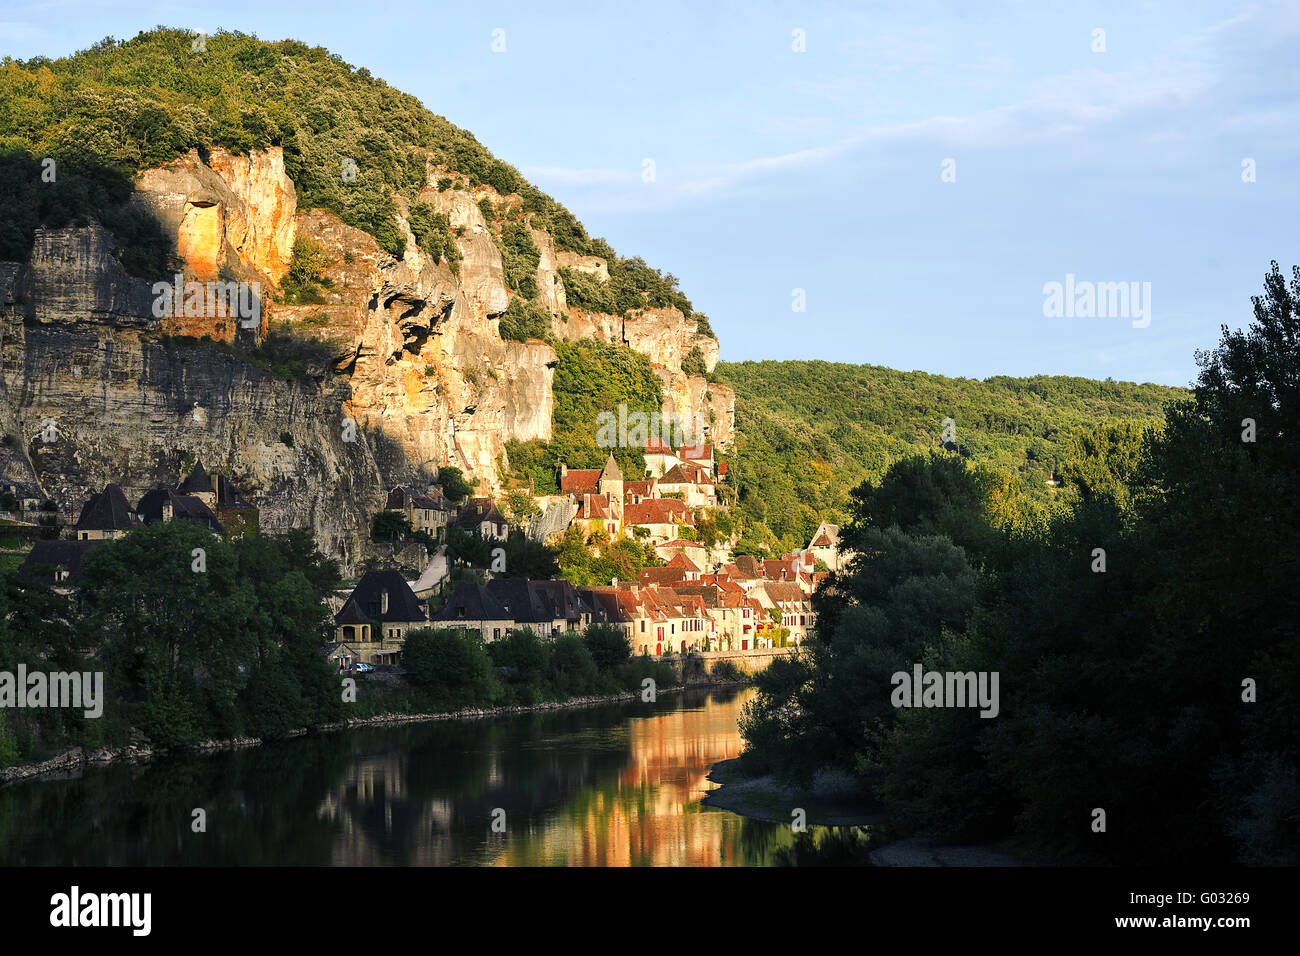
[616, 785]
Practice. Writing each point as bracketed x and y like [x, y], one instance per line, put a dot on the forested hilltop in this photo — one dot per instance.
[120, 107]
[810, 431]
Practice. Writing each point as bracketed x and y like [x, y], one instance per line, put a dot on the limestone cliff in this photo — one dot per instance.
[418, 363]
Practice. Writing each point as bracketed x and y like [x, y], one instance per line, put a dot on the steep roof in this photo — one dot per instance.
[702, 452]
[478, 510]
[403, 605]
[686, 475]
[184, 507]
[471, 601]
[58, 553]
[611, 471]
[594, 507]
[351, 613]
[644, 489]
[665, 575]
[606, 605]
[783, 591]
[198, 481]
[681, 561]
[107, 511]
[658, 511]
[560, 598]
[518, 600]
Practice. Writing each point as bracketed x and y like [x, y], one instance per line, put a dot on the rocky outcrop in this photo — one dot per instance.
[418, 376]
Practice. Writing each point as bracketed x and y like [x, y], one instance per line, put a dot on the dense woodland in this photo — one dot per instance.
[809, 432]
[119, 107]
[1164, 689]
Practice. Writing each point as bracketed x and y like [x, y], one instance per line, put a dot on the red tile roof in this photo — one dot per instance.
[658, 511]
[680, 560]
[579, 481]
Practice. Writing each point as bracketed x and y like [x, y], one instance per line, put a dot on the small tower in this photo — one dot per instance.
[200, 486]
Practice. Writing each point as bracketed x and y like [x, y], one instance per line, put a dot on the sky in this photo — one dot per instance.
[893, 184]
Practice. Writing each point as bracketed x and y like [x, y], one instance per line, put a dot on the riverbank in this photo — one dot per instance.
[831, 803]
[76, 760]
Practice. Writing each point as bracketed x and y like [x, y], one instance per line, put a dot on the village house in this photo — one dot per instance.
[791, 602]
[692, 482]
[56, 563]
[635, 492]
[660, 519]
[162, 504]
[701, 456]
[659, 457]
[473, 607]
[426, 512]
[598, 494]
[482, 516]
[384, 598]
[825, 546]
[697, 552]
[105, 516]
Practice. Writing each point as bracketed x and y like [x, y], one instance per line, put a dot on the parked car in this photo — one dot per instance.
[364, 668]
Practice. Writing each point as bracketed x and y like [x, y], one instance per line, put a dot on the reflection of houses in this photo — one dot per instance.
[384, 598]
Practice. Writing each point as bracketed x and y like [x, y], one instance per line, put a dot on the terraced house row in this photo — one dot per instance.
[676, 609]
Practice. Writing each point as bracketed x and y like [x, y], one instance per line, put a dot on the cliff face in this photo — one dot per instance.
[418, 363]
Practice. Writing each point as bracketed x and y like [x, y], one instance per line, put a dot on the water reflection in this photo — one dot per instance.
[613, 786]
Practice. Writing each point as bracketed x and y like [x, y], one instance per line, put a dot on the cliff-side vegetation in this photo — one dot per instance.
[351, 143]
[591, 377]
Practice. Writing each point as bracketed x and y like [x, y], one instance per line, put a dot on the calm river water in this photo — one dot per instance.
[611, 786]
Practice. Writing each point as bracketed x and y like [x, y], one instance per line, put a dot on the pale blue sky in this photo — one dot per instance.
[820, 170]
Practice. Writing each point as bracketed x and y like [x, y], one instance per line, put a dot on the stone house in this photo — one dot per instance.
[825, 545]
[56, 563]
[106, 515]
[426, 512]
[659, 457]
[483, 516]
[384, 598]
[162, 504]
[473, 607]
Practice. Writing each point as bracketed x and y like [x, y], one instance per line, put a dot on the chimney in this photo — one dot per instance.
[383, 601]
[564, 470]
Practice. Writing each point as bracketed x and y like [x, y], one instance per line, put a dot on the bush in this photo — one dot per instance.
[451, 663]
[608, 645]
